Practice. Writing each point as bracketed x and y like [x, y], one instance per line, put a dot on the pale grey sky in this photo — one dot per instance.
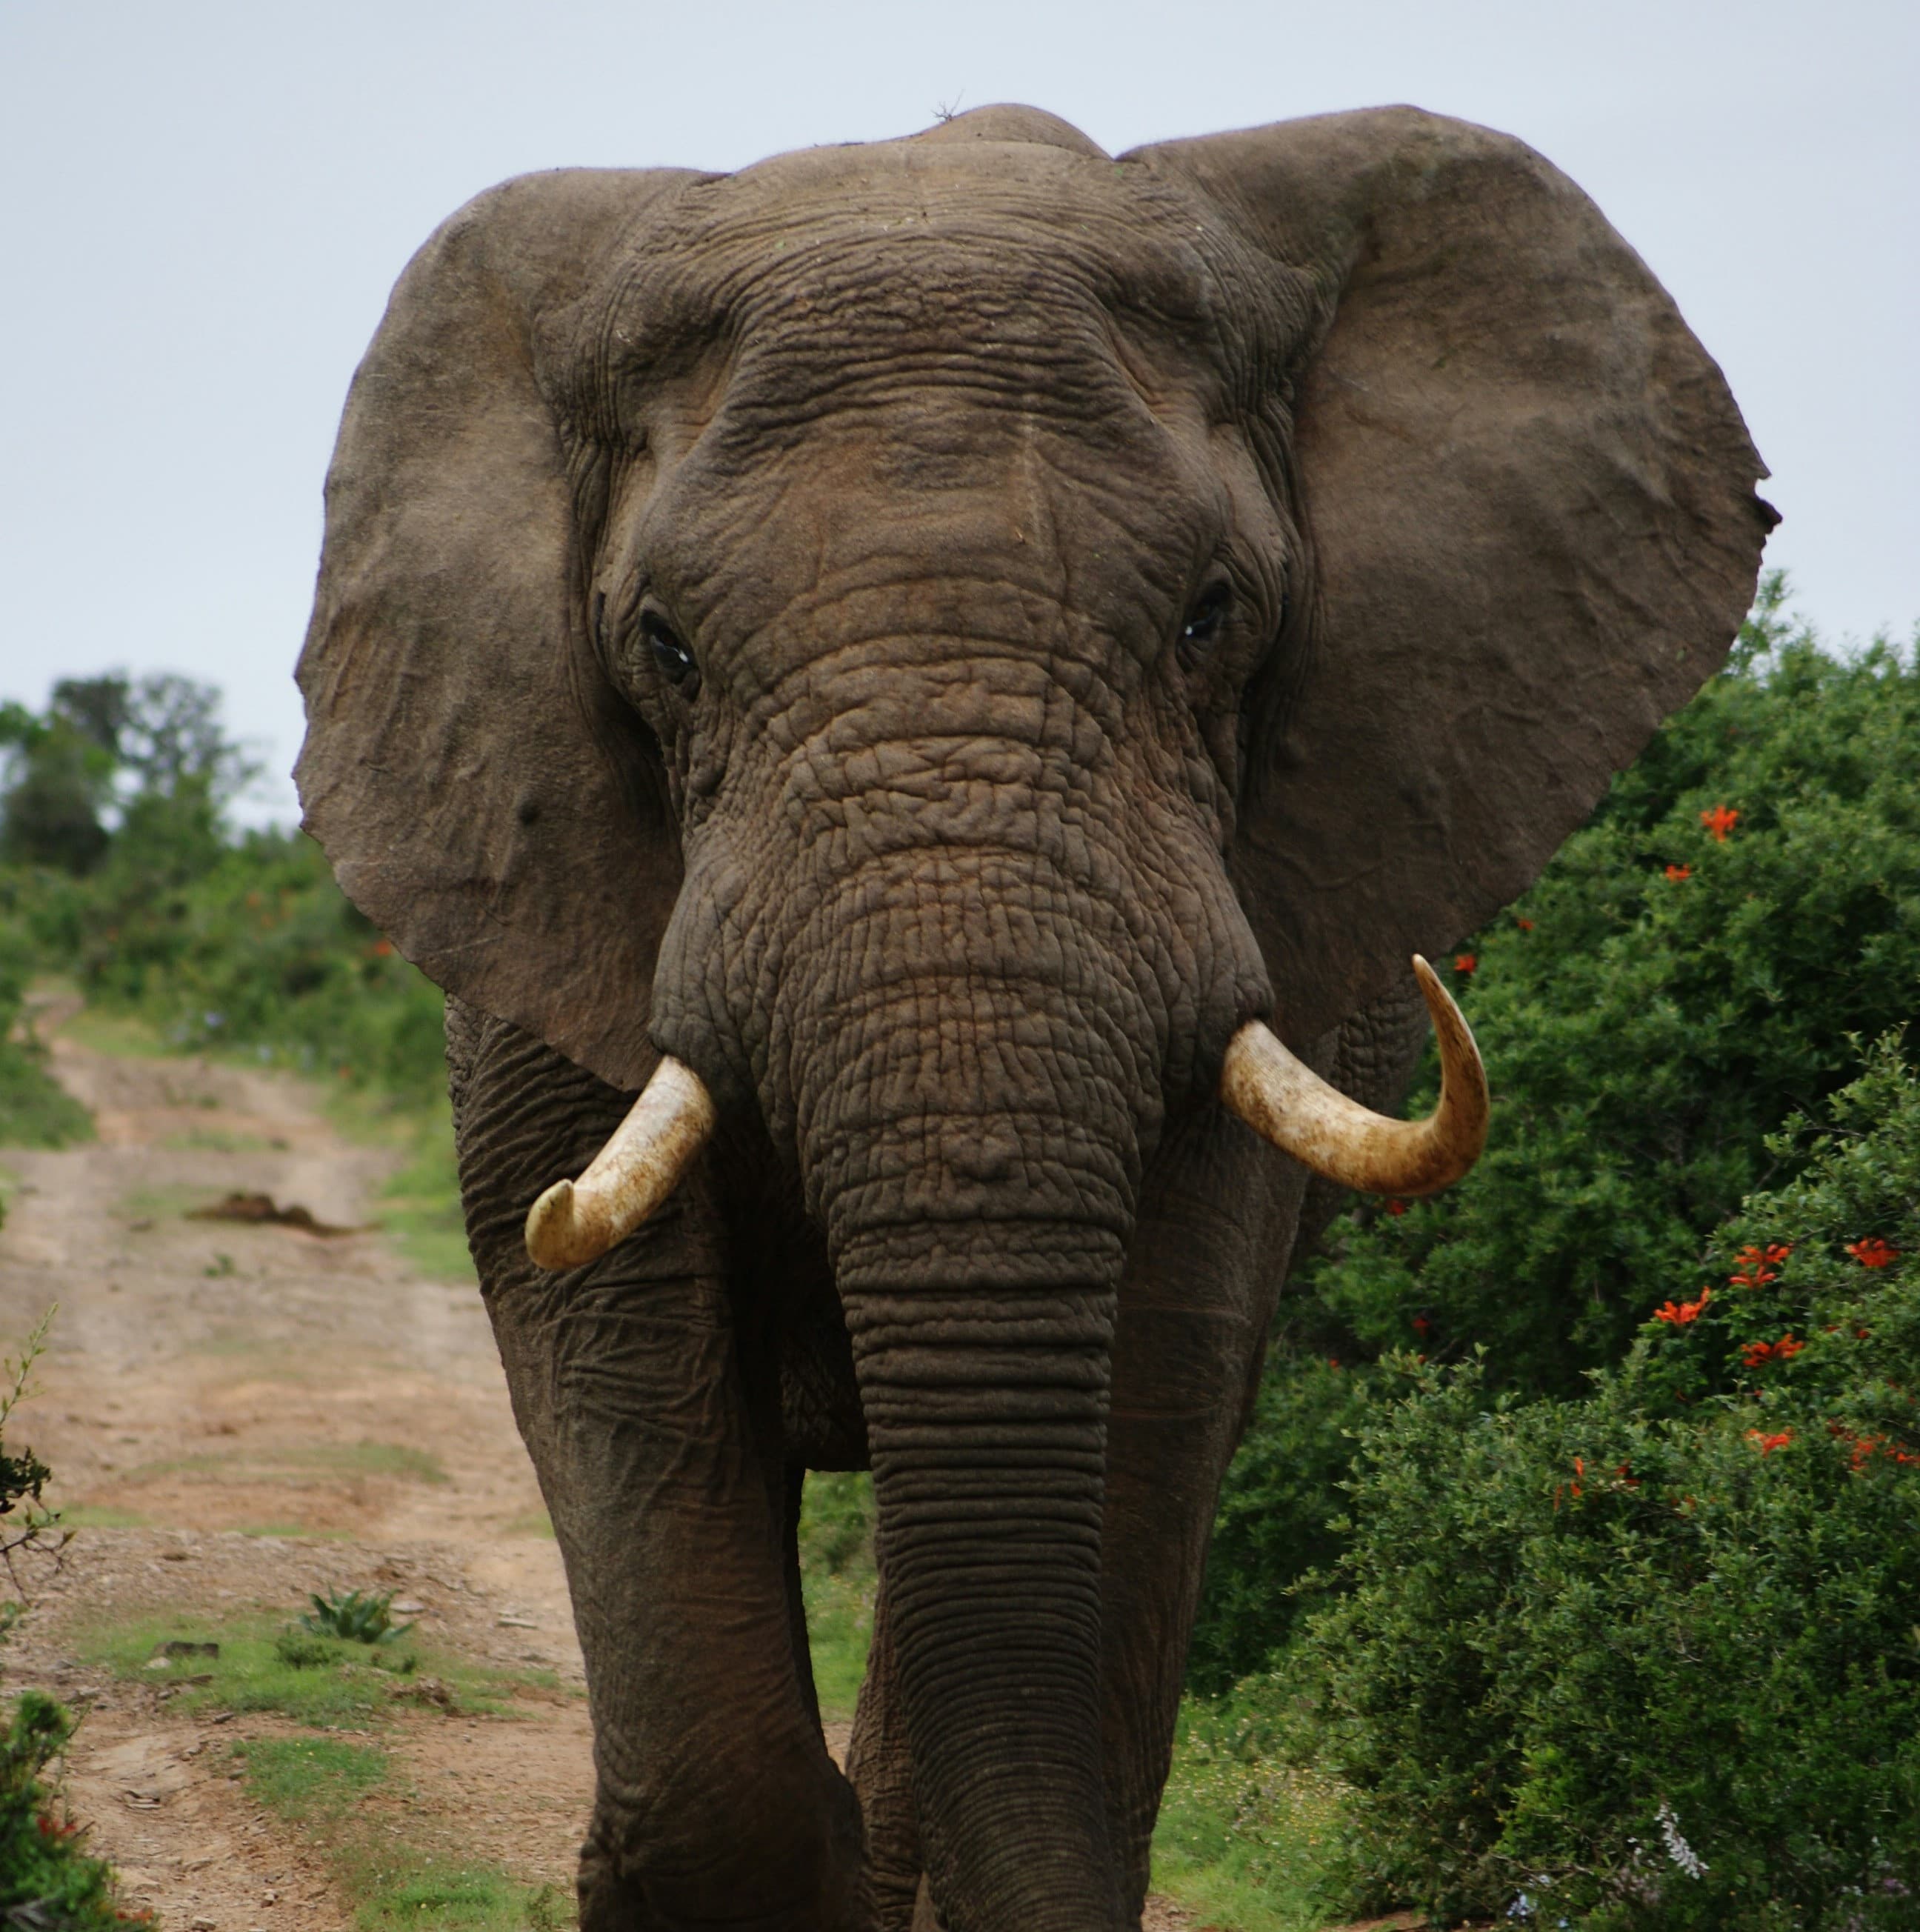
[206, 201]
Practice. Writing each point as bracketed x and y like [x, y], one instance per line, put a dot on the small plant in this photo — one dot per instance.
[303, 1652]
[355, 1616]
[49, 1882]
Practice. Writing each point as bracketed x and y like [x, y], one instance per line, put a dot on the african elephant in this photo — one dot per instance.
[923, 652]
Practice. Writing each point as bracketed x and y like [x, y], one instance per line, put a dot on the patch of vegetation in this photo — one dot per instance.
[47, 1878]
[356, 1616]
[1695, 967]
[35, 1110]
[1243, 1837]
[99, 1516]
[1648, 1659]
[307, 1778]
[321, 1785]
[398, 1887]
[837, 1579]
[355, 1687]
[49, 1881]
[299, 1465]
[420, 1207]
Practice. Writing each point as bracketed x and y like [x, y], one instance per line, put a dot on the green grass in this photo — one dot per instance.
[159, 1203]
[420, 1205]
[250, 1674]
[124, 1035]
[216, 1140]
[1243, 1839]
[305, 1778]
[302, 1466]
[99, 1516]
[535, 1522]
[319, 1784]
[35, 1110]
[839, 1630]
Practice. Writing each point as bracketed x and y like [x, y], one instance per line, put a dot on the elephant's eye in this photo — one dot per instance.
[675, 660]
[1206, 620]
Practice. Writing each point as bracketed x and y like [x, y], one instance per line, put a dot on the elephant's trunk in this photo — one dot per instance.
[974, 1151]
[972, 1072]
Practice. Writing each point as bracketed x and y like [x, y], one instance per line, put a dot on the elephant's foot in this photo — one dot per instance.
[767, 1875]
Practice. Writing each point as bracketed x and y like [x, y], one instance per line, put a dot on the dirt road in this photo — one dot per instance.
[239, 1414]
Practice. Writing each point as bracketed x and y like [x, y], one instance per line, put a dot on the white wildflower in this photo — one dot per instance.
[1682, 1854]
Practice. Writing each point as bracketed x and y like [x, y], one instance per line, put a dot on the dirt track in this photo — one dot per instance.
[237, 1415]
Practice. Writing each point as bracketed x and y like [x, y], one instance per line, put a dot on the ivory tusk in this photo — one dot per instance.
[1285, 1101]
[575, 1222]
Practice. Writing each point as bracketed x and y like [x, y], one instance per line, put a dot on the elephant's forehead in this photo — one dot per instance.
[987, 249]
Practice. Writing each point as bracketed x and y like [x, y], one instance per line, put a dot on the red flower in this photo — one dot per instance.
[1720, 821]
[1758, 1264]
[381, 948]
[1680, 1313]
[1332, 1361]
[1397, 1208]
[1679, 871]
[1421, 1326]
[1525, 925]
[1466, 962]
[1765, 1443]
[1757, 1353]
[1872, 1252]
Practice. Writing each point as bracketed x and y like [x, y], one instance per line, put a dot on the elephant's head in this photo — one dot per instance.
[934, 637]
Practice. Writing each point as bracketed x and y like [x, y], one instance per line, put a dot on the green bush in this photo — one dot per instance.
[1648, 1659]
[46, 1878]
[35, 1110]
[221, 940]
[1644, 1033]
[48, 1881]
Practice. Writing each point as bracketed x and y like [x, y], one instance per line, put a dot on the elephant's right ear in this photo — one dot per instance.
[1530, 532]
[483, 793]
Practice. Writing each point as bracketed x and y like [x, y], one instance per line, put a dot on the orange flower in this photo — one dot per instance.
[1872, 1252]
[1755, 1354]
[381, 948]
[1720, 821]
[1679, 871]
[1765, 1443]
[1681, 1312]
[1466, 962]
[1758, 1262]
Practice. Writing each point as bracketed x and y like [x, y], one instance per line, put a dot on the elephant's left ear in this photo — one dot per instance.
[1528, 501]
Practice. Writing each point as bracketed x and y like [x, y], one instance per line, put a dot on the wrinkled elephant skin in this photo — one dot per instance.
[933, 638]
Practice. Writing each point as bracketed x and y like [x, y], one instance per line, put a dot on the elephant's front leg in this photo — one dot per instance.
[1203, 1273]
[656, 1445]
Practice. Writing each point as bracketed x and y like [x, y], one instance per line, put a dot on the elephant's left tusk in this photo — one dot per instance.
[1285, 1101]
[576, 1222]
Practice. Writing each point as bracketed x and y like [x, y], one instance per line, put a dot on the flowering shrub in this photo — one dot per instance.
[1648, 1659]
[1647, 1033]
[1696, 964]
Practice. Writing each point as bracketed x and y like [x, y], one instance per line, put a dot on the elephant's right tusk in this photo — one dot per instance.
[1285, 1101]
[576, 1222]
